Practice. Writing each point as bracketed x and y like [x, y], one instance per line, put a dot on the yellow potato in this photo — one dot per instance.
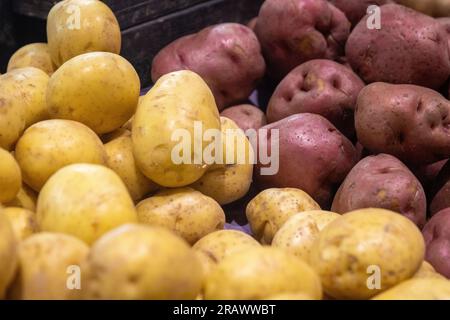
[142, 262]
[120, 158]
[427, 271]
[84, 200]
[99, 89]
[257, 273]
[365, 252]
[23, 221]
[50, 145]
[230, 181]
[271, 208]
[290, 296]
[418, 289]
[185, 211]
[10, 177]
[75, 27]
[49, 267]
[297, 235]
[437, 8]
[26, 198]
[174, 106]
[8, 254]
[35, 55]
[116, 134]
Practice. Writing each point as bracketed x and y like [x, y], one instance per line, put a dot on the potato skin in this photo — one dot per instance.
[355, 10]
[23, 221]
[185, 211]
[435, 8]
[227, 56]
[348, 246]
[10, 177]
[35, 55]
[98, 29]
[257, 273]
[427, 271]
[437, 238]
[440, 191]
[413, 52]
[26, 198]
[99, 89]
[246, 116]
[322, 87]
[314, 29]
[406, 121]
[418, 289]
[382, 181]
[8, 254]
[313, 156]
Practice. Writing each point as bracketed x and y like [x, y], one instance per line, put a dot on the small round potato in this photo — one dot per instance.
[10, 177]
[365, 252]
[8, 253]
[257, 273]
[35, 55]
[75, 27]
[23, 221]
[99, 89]
[142, 262]
[50, 145]
[246, 116]
[185, 211]
[297, 235]
[84, 200]
[271, 208]
[418, 289]
[26, 198]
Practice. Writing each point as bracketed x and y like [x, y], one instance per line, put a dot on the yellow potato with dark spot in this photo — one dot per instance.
[23, 221]
[26, 198]
[257, 273]
[365, 252]
[8, 254]
[84, 200]
[142, 262]
[427, 271]
[418, 289]
[50, 145]
[271, 208]
[185, 211]
[99, 89]
[10, 177]
[35, 55]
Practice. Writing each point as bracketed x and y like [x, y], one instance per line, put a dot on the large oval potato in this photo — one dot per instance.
[185, 211]
[84, 200]
[365, 252]
[35, 55]
[142, 262]
[271, 208]
[8, 254]
[177, 104]
[50, 145]
[75, 27]
[23, 221]
[418, 289]
[257, 273]
[10, 177]
[99, 89]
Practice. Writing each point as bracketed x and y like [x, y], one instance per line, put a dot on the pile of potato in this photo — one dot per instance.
[94, 207]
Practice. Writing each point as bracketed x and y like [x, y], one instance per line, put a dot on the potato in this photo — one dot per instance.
[418, 289]
[227, 56]
[428, 174]
[23, 221]
[406, 121]
[293, 32]
[313, 156]
[437, 8]
[142, 262]
[8, 253]
[437, 238]
[26, 198]
[427, 271]
[290, 296]
[271, 208]
[10, 177]
[75, 27]
[120, 158]
[414, 51]
[184, 211]
[355, 10]
[50, 145]
[231, 180]
[46, 264]
[35, 55]
[319, 86]
[246, 116]
[363, 246]
[440, 191]
[177, 103]
[84, 200]
[298, 234]
[382, 181]
[257, 273]
[99, 89]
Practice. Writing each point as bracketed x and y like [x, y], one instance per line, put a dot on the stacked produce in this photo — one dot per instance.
[341, 177]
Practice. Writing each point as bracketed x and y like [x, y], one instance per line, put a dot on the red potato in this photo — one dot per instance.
[252, 24]
[246, 116]
[410, 122]
[292, 32]
[313, 156]
[437, 238]
[355, 10]
[441, 191]
[383, 182]
[227, 56]
[323, 87]
[409, 48]
[427, 174]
